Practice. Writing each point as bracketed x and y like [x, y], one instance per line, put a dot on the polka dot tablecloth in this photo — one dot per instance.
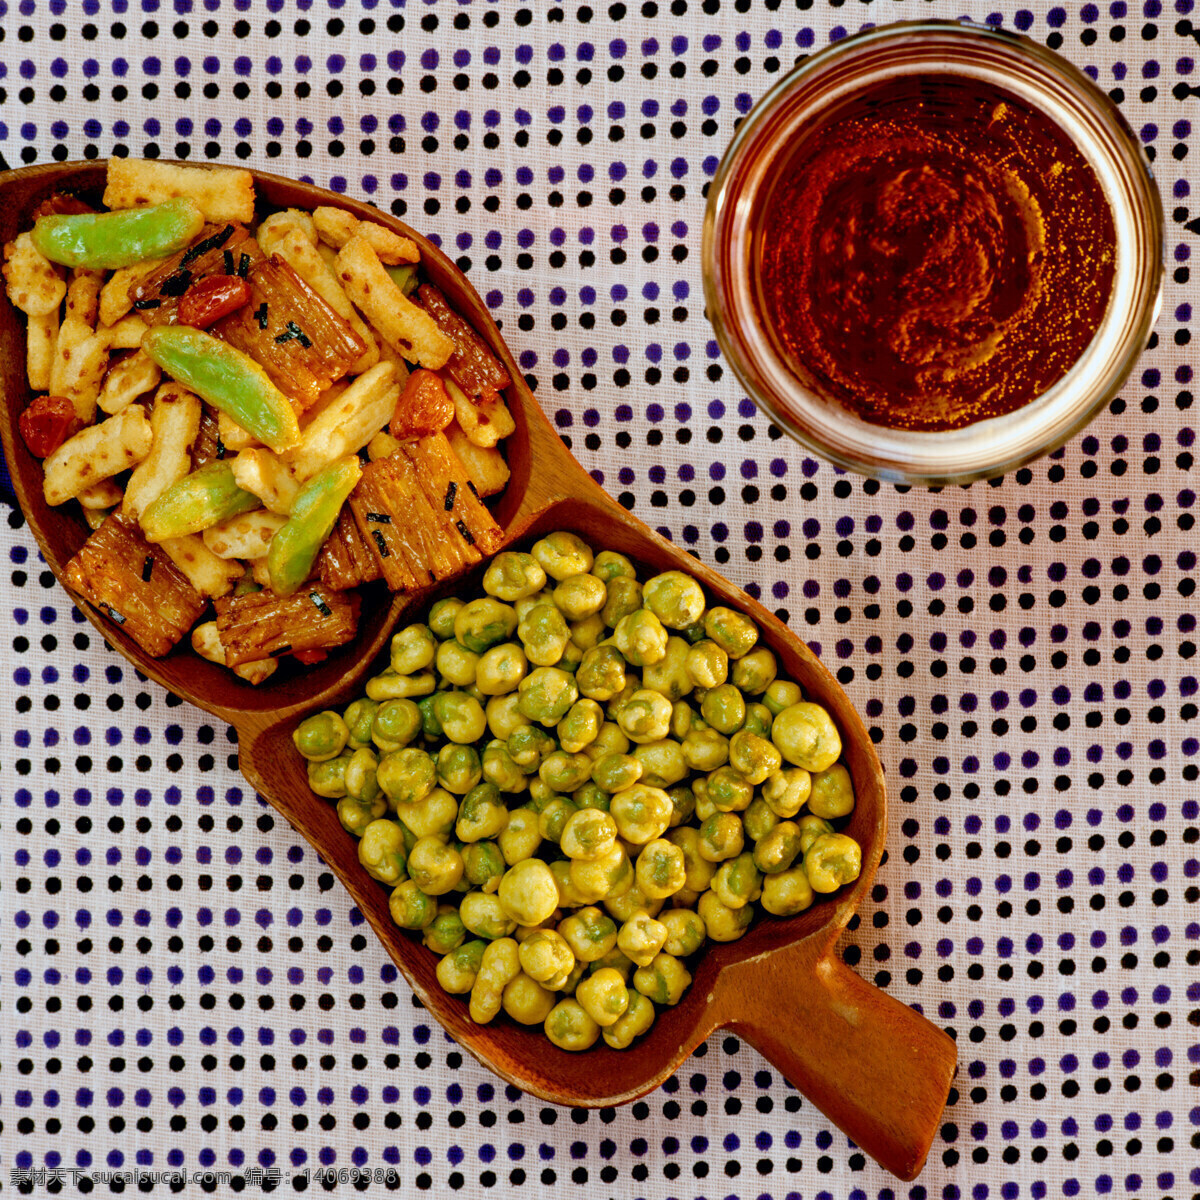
[189, 1001]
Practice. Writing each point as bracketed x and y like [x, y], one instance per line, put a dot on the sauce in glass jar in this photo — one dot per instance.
[934, 253]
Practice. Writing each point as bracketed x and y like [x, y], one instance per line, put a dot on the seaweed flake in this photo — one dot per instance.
[293, 332]
[384, 552]
[468, 536]
[151, 302]
[379, 518]
[177, 284]
[243, 267]
[260, 315]
[319, 604]
[230, 268]
[210, 243]
[147, 568]
[474, 489]
[113, 614]
[286, 648]
[220, 447]
[451, 492]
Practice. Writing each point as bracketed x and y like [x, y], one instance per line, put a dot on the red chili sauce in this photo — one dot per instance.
[939, 254]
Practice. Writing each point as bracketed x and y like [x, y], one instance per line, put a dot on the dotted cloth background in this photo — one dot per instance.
[184, 985]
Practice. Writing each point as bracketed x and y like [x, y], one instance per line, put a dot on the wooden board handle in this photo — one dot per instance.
[875, 1067]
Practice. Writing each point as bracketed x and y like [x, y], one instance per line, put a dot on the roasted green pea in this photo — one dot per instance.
[724, 709]
[504, 716]
[642, 813]
[482, 624]
[602, 996]
[683, 804]
[321, 736]
[499, 966]
[758, 820]
[753, 757]
[459, 768]
[484, 916]
[521, 837]
[546, 957]
[500, 669]
[781, 694]
[698, 869]
[572, 656]
[562, 554]
[610, 565]
[565, 772]
[733, 632]
[787, 893]
[811, 827]
[728, 790]
[645, 716]
[685, 932]
[778, 849]
[390, 686]
[456, 664]
[705, 749]
[413, 649]
[610, 740]
[381, 851]
[755, 672]
[434, 866]
[328, 777]
[832, 860]
[529, 746]
[527, 892]
[738, 881]
[396, 723]
[623, 597]
[445, 932]
[787, 791]
[406, 776]
[707, 664]
[601, 672]
[481, 814]
[722, 923]
[546, 695]
[704, 806]
[614, 960]
[684, 719]
[758, 720]
[513, 576]
[456, 973]
[660, 870]
[411, 908]
[544, 634]
[499, 768]
[581, 726]
[461, 716]
[615, 772]
[483, 865]
[807, 736]
[636, 1021]
[641, 938]
[527, 1001]
[721, 837]
[570, 1028]
[590, 933]
[588, 833]
[360, 720]
[663, 980]
[554, 816]
[580, 596]
[360, 777]
[675, 598]
[356, 814]
[442, 616]
[669, 675]
[641, 638]
[590, 795]
[832, 793]
[588, 632]
[663, 763]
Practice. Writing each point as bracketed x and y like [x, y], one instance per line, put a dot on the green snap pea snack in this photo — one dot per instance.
[117, 239]
[575, 782]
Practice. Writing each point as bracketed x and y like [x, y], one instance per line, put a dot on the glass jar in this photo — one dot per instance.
[799, 104]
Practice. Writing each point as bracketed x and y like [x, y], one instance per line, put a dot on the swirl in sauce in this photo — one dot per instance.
[940, 254]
